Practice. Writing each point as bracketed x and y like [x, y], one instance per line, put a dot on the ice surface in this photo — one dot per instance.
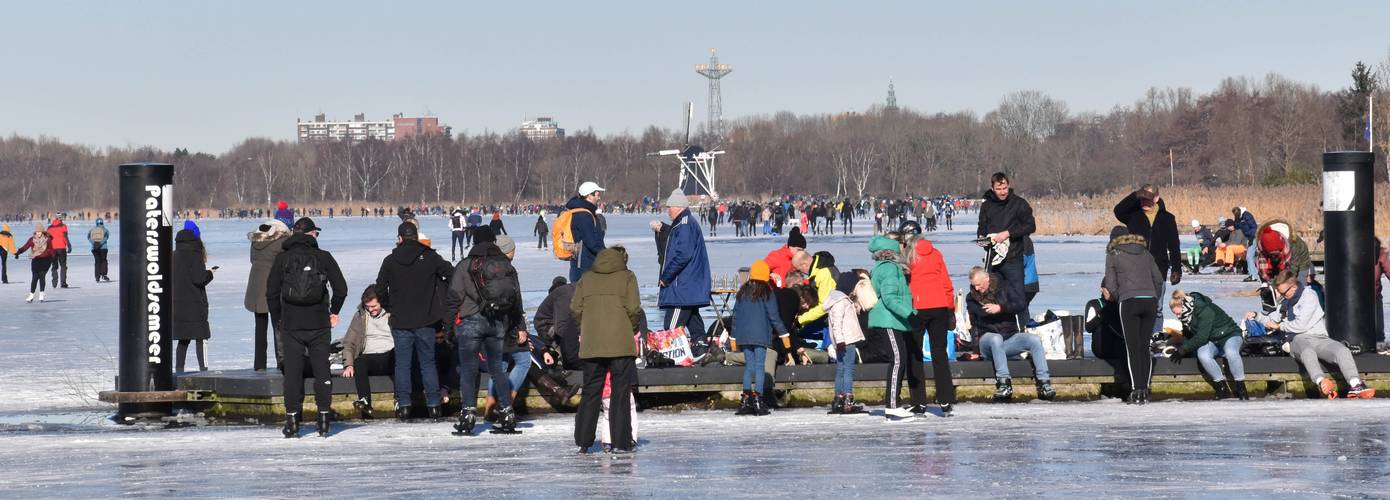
[56, 355]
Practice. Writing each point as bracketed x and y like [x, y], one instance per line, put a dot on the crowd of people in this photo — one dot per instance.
[437, 324]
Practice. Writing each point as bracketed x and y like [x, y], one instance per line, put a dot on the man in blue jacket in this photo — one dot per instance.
[1245, 223]
[685, 280]
[588, 233]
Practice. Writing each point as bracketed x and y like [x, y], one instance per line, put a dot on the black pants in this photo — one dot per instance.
[542, 240]
[60, 266]
[262, 327]
[38, 268]
[688, 317]
[4, 266]
[100, 257]
[907, 361]
[933, 323]
[315, 343]
[1137, 319]
[458, 245]
[200, 351]
[624, 373]
[366, 365]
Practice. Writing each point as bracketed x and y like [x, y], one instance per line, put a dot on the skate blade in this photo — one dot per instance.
[500, 431]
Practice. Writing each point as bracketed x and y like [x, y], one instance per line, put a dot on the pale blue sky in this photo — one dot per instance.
[204, 75]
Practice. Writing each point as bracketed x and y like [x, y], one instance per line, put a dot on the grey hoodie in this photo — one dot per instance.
[1130, 270]
[1305, 316]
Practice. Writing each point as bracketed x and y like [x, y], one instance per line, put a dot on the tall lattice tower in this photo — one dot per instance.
[714, 72]
[892, 98]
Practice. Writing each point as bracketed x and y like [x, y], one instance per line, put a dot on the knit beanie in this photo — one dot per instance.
[506, 244]
[759, 271]
[795, 239]
[1118, 231]
[483, 234]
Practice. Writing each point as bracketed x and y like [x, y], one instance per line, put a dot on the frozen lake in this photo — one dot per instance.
[58, 354]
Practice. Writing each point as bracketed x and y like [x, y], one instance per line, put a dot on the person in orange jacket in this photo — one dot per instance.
[62, 246]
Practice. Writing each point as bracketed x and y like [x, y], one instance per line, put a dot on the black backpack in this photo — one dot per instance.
[304, 283]
[496, 282]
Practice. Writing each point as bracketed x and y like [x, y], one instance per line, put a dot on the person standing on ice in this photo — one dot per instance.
[934, 299]
[191, 277]
[267, 241]
[1134, 281]
[40, 246]
[296, 292]
[283, 213]
[6, 250]
[97, 237]
[458, 226]
[485, 295]
[891, 318]
[584, 225]
[1007, 219]
[685, 275]
[411, 284]
[609, 311]
[62, 246]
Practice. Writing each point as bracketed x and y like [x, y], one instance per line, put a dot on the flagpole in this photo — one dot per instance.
[1371, 124]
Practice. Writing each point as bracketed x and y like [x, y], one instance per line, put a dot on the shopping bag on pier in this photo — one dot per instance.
[1053, 340]
[673, 344]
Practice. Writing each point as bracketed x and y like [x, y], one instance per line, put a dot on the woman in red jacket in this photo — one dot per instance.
[934, 299]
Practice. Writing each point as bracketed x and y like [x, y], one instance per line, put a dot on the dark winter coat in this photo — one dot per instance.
[1162, 235]
[607, 306]
[1208, 323]
[1005, 322]
[1130, 270]
[757, 321]
[1013, 214]
[555, 325]
[588, 233]
[1247, 225]
[462, 299]
[265, 245]
[411, 285]
[190, 281]
[293, 317]
[686, 268]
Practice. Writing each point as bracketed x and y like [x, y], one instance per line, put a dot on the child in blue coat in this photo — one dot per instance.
[755, 322]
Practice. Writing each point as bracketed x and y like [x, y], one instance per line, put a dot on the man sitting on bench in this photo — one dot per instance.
[994, 315]
[1300, 315]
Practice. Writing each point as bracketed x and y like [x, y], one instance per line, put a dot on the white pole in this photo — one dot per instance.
[1172, 180]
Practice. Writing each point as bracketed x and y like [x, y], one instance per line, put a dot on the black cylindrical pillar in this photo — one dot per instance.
[146, 353]
[1348, 199]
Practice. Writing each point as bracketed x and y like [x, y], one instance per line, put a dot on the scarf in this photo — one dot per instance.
[1185, 311]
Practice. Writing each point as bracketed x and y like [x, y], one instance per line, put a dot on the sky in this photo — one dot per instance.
[205, 75]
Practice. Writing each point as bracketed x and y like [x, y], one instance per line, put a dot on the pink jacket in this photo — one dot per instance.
[843, 315]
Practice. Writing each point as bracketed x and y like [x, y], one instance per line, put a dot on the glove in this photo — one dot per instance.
[1173, 355]
[1175, 277]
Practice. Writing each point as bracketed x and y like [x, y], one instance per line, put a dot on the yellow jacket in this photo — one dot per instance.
[7, 240]
[825, 283]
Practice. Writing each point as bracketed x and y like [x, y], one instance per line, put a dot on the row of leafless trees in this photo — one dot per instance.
[1245, 132]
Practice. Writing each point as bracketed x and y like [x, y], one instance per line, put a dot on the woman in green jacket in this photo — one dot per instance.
[890, 318]
[1210, 332]
[607, 307]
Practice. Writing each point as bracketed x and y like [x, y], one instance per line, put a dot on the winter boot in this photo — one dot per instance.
[1045, 390]
[506, 422]
[1328, 388]
[759, 405]
[745, 404]
[1221, 391]
[851, 406]
[467, 419]
[322, 423]
[364, 408]
[436, 414]
[1360, 391]
[1239, 387]
[555, 393]
[1003, 390]
[402, 412]
[291, 425]
[837, 407]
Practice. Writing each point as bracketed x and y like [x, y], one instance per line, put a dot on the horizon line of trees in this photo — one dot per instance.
[1246, 131]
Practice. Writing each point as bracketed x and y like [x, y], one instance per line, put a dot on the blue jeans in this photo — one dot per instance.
[994, 347]
[478, 333]
[416, 343]
[1230, 349]
[521, 364]
[1250, 260]
[844, 368]
[1011, 271]
[753, 358]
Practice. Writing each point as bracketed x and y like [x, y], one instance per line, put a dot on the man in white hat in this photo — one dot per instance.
[1204, 253]
[588, 233]
[685, 278]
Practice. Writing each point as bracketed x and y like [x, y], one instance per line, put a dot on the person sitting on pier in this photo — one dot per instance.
[1301, 315]
[368, 349]
[994, 315]
[1208, 331]
[1230, 248]
[1204, 253]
